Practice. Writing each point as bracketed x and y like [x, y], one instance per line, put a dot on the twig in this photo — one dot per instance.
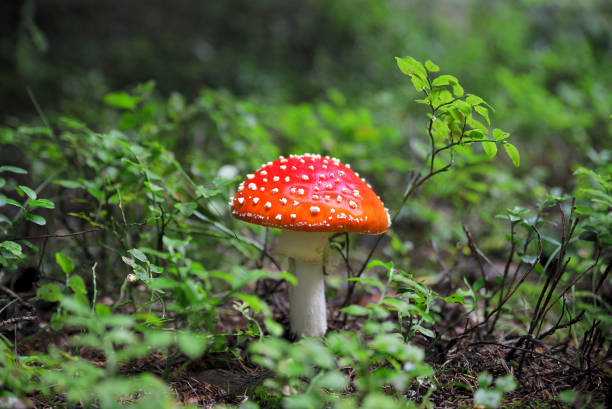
[526, 351]
[16, 320]
[48, 236]
[17, 297]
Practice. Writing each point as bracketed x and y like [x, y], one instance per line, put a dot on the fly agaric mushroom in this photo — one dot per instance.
[309, 196]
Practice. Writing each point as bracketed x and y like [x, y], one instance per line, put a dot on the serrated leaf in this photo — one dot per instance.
[513, 153]
[49, 292]
[34, 218]
[65, 263]
[28, 191]
[490, 148]
[13, 169]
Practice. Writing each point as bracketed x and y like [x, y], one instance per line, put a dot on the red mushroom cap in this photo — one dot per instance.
[310, 193]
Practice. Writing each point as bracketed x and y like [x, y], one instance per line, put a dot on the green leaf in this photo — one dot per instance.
[191, 344]
[445, 79]
[34, 218]
[77, 284]
[121, 100]
[31, 193]
[72, 123]
[13, 169]
[499, 135]
[49, 292]
[513, 153]
[474, 99]
[70, 184]
[410, 66]
[46, 203]
[14, 203]
[11, 246]
[490, 148]
[139, 255]
[65, 263]
[484, 112]
[431, 67]
[356, 310]
[186, 209]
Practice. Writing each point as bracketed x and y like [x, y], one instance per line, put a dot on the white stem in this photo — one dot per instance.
[308, 315]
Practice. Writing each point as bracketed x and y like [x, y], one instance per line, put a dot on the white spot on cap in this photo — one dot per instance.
[314, 209]
[262, 188]
[329, 186]
[287, 179]
[315, 196]
[324, 166]
[275, 178]
[252, 186]
[293, 216]
[264, 173]
[275, 190]
[356, 193]
[300, 191]
[268, 205]
[293, 190]
[322, 176]
[352, 204]
[345, 190]
[332, 210]
[311, 167]
[304, 177]
[283, 200]
[293, 168]
[241, 200]
[327, 197]
[255, 200]
[265, 180]
[283, 167]
[339, 198]
[278, 217]
[250, 176]
[295, 203]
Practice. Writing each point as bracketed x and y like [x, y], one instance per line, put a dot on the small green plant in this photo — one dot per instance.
[491, 395]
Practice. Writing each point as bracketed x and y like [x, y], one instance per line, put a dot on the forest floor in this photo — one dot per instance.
[541, 372]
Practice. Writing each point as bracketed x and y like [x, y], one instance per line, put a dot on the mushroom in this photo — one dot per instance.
[309, 196]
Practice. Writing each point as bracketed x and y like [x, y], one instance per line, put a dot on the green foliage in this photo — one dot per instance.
[491, 396]
[145, 258]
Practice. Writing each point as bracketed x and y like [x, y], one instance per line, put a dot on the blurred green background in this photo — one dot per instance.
[248, 80]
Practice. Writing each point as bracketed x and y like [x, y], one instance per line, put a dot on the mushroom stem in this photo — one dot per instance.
[307, 313]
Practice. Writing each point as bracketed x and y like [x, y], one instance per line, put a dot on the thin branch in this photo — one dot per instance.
[526, 351]
[55, 235]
